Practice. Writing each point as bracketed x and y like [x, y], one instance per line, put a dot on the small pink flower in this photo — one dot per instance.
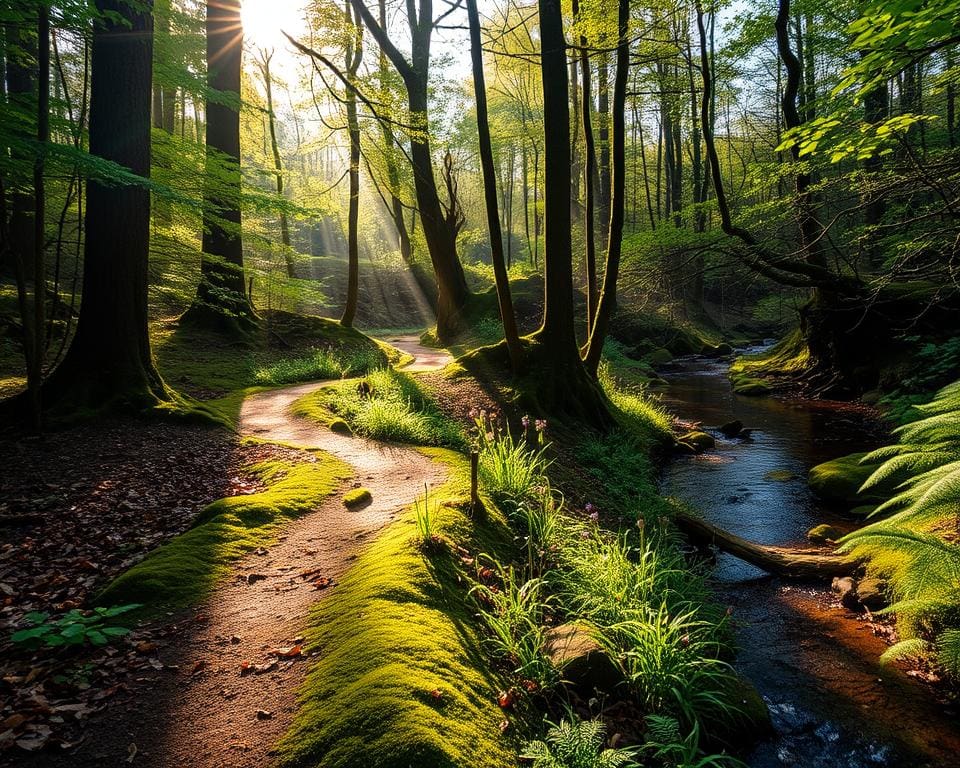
[525, 421]
[473, 413]
[595, 516]
[541, 425]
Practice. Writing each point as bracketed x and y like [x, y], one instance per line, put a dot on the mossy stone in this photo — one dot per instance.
[356, 496]
[573, 649]
[780, 475]
[341, 427]
[838, 481]
[699, 441]
[749, 387]
[745, 724]
[659, 357]
[822, 534]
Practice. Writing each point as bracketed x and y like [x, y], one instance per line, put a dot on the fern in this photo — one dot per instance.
[576, 743]
[915, 544]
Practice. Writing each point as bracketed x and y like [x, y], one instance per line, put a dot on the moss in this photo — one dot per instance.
[698, 441]
[401, 679]
[780, 476]
[185, 569]
[659, 357]
[750, 387]
[838, 481]
[357, 496]
[821, 534]
[789, 357]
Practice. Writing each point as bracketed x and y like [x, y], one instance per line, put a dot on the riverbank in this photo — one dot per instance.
[815, 662]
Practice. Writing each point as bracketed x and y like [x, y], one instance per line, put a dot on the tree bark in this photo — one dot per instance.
[265, 58]
[507, 316]
[109, 362]
[590, 187]
[353, 56]
[780, 561]
[608, 298]
[221, 299]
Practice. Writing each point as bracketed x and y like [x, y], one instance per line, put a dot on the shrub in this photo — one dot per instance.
[576, 743]
[510, 468]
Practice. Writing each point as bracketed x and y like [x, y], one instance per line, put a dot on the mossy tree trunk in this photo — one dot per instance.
[221, 300]
[109, 362]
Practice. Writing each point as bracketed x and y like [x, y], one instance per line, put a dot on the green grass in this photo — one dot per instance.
[397, 409]
[284, 348]
[401, 678]
[186, 569]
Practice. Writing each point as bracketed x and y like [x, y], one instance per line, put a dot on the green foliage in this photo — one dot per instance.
[666, 744]
[932, 366]
[397, 409]
[916, 546]
[577, 743]
[510, 467]
[638, 411]
[320, 364]
[513, 611]
[76, 627]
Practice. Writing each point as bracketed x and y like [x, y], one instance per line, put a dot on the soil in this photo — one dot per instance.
[217, 685]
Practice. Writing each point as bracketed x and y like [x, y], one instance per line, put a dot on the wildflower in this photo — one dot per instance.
[592, 512]
[640, 523]
[473, 414]
[584, 534]
[526, 422]
[541, 425]
[595, 516]
[729, 610]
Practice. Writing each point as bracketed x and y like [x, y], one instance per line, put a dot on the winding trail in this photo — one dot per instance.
[201, 712]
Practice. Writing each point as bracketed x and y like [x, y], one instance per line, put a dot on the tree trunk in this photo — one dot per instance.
[221, 299]
[608, 298]
[603, 161]
[265, 58]
[590, 187]
[354, 54]
[780, 561]
[452, 290]
[507, 316]
[109, 362]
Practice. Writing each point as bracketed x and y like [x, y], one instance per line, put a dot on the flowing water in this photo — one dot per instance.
[814, 662]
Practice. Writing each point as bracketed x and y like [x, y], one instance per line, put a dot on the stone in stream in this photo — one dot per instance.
[871, 593]
[731, 429]
[699, 441]
[846, 587]
[822, 534]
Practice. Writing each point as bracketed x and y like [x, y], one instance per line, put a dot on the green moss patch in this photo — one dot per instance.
[401, 679]
[356, 496]
[186, 569]
[698, 441]
[750, 387]
[838, 481]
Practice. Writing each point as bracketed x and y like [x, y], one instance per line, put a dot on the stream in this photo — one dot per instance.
[814, 662]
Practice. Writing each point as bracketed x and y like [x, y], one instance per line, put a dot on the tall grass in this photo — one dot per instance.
[396, 410]
[511, 468]
[319, 364]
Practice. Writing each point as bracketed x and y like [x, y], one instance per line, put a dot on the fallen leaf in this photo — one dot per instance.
[505, 699]
[437, 694]
[287, 653]
[263, 714]
[198, 667]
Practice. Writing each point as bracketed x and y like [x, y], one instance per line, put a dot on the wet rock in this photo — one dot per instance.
[839, 480]
[780, 475]
[846, 588]
[659, 357]
[750, 387]
[748, 723]
[871, 593]
[731, 428]
[822, 534]
[572, 649]
[340, 426]
[700, 441]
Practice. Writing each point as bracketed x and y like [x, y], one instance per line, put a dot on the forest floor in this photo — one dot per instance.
[215, 685]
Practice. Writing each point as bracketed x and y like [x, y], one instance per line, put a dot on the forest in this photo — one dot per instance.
[447, 383]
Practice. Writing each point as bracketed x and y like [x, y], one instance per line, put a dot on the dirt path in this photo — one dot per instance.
[201, 711]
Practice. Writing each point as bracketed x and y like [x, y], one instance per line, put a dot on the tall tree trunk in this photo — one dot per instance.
[507, 316]
[109, 362]
[575, 167]
[221, 299]
[354, 54]
[590, 186]
[265, 58]
[603, 160]
[452, 290]
[608, 298]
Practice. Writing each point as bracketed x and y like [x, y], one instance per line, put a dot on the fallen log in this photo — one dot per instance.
[780, 561]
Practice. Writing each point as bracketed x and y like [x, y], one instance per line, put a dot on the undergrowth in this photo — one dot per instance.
[916, 543]
[392, 407]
